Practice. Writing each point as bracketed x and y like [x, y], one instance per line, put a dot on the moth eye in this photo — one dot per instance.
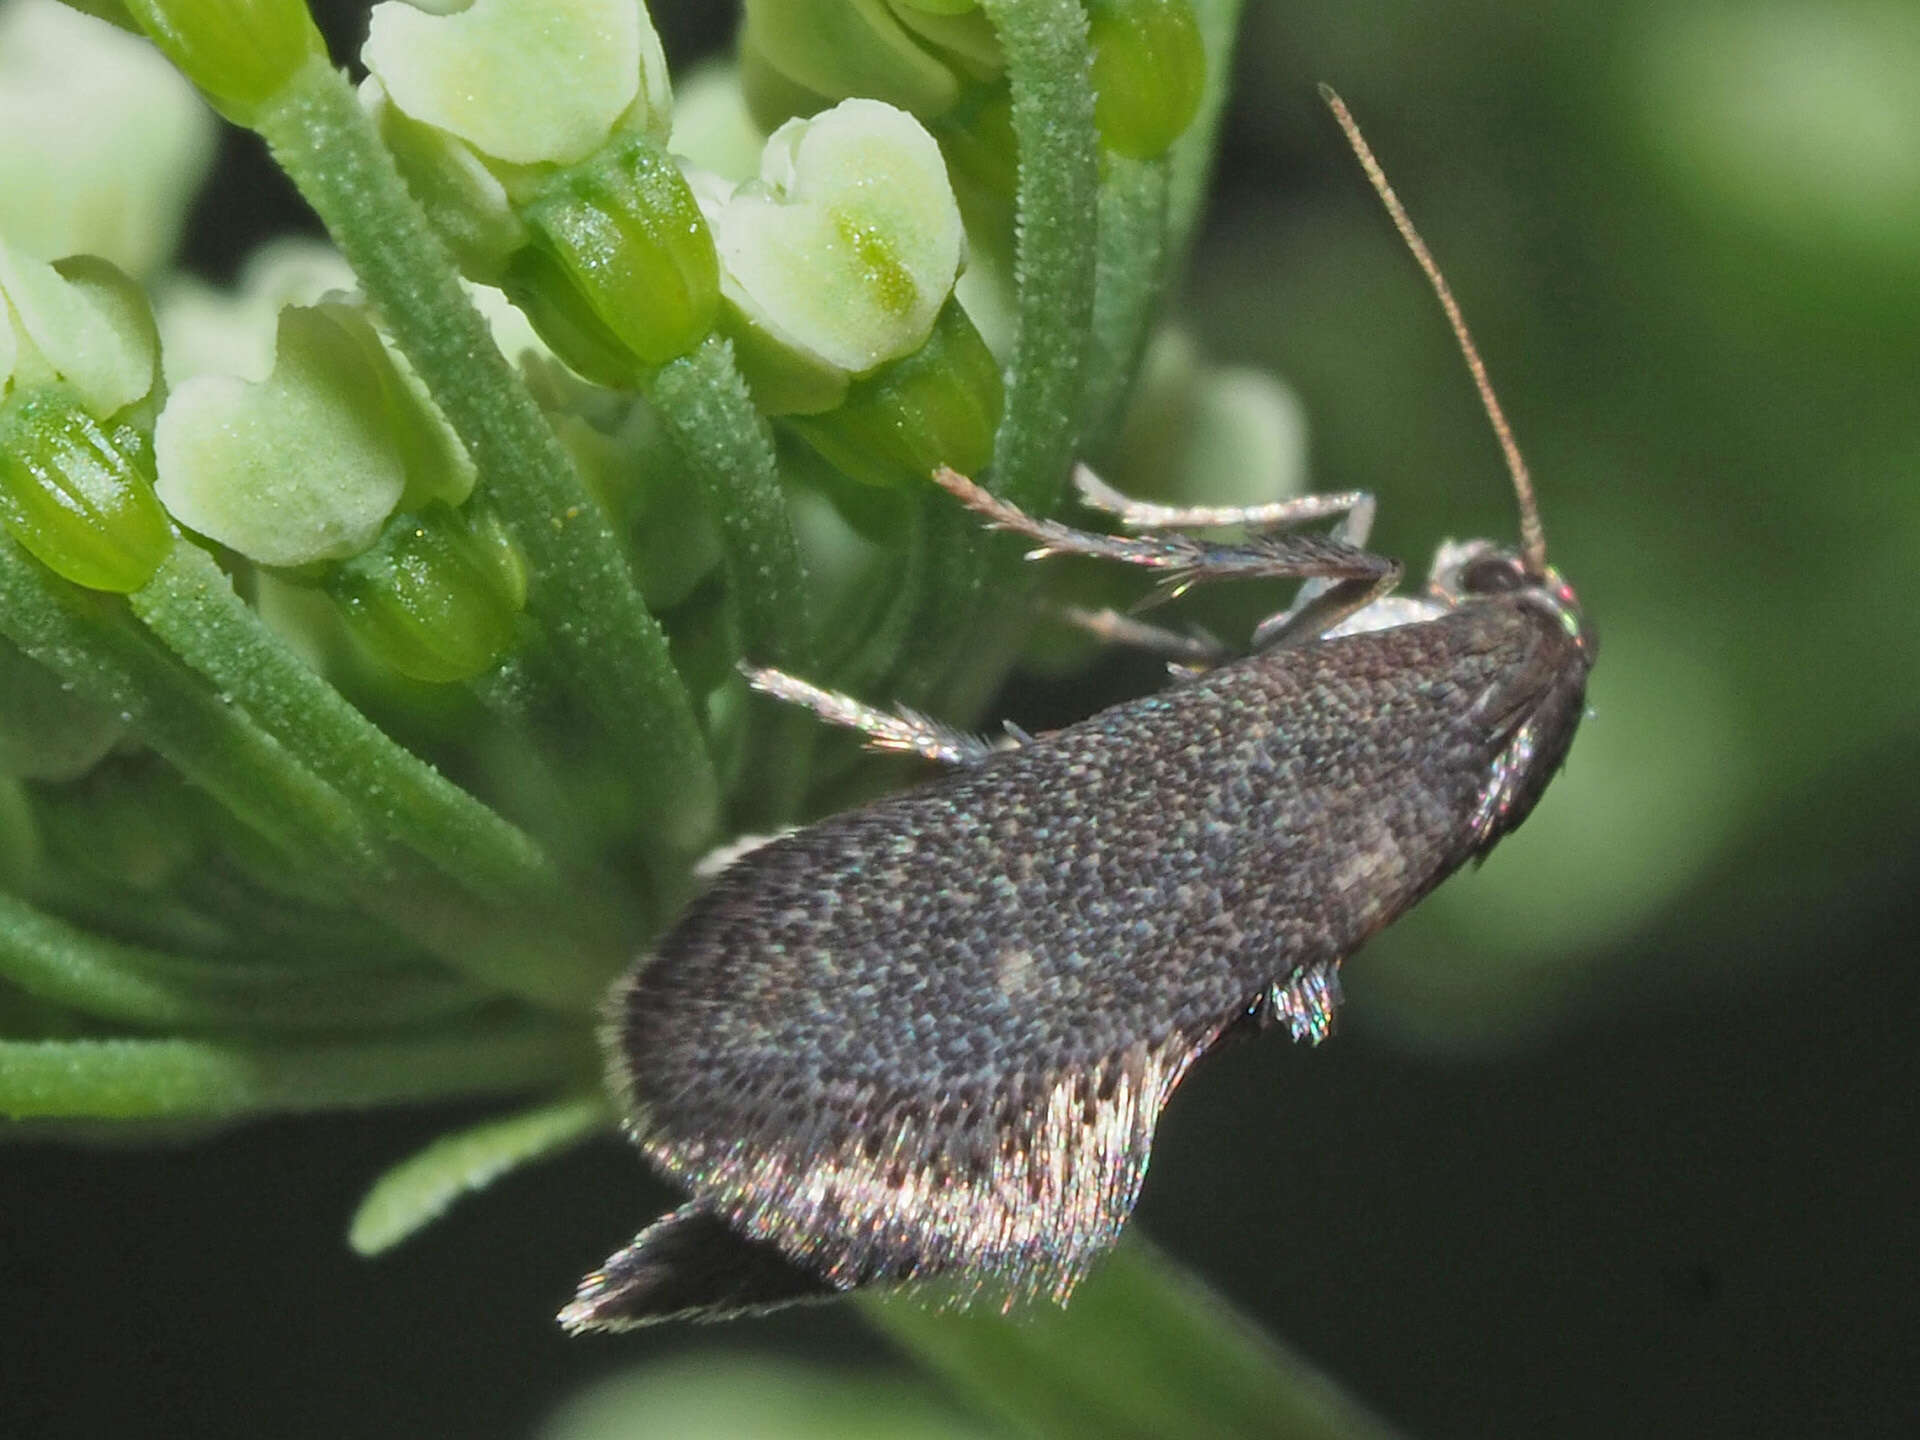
[1493, 575]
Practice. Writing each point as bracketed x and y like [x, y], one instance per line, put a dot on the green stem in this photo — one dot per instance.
[84, 640]
[190, 604]
[1132, 272]
[729, 454]
[212, 1080]
[1049, 69]
[1144, 1350]
[560, 961]
[582, 590]
[88, 642]
[58, 962]
[728, 449]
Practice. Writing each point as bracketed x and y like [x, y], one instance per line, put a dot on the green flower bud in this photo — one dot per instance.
[241, 53]
[307, 464]
[839, 48]
[1149, 68]
[621, 258]
[79, 322]
[956, 30]
[78, 495]
[840, 256]
[437, 597]
[106, 144]
[937, 406]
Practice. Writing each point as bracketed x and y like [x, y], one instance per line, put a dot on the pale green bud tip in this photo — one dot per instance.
[76, 494]
[847, 246]
[306, 464]
[79, 321]
[436, 598]
[1149, 69]
[524, 81]
[241, 53]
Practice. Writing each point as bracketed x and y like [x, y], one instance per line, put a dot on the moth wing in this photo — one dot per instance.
[1016, 1189]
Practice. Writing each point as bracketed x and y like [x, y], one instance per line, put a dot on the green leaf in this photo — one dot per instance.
[227, 1079]
[95, 976]
[729, 1397]
[1143, 1350]
[418, 1191]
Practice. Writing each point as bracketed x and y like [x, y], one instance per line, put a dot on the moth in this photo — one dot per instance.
[930, 1039]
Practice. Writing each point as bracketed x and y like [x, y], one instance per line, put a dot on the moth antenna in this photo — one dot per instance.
[1533, 539]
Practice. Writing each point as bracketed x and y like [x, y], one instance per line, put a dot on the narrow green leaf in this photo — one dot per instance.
[417, 1191]
[716, 1396]
[213, 1080]
[58, 962]
[1143, 1351]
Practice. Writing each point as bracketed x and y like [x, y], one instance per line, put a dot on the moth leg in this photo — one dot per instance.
[1186, 649]
[899, 730]
[1305, 1002]
[1323, 604]
[1185, 559]
[1274, 515]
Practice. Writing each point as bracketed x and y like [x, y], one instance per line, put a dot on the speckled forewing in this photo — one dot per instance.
[935, 1034]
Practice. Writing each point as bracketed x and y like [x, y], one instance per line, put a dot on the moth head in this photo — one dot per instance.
[1465, 571]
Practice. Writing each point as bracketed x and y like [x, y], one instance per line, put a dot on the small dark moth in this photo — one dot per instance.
[930, 1039]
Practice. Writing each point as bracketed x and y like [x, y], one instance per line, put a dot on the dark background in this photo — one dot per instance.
[1619, 1133]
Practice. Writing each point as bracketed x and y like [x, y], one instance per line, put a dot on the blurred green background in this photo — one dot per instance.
[1619, 1133]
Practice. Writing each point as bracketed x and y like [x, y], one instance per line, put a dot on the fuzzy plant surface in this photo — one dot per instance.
[369, 630]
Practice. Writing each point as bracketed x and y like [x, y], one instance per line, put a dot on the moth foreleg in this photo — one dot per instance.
[899, 730]
[1274, 515]
[1185, 559]
[1323, 604]
[1188, 649]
